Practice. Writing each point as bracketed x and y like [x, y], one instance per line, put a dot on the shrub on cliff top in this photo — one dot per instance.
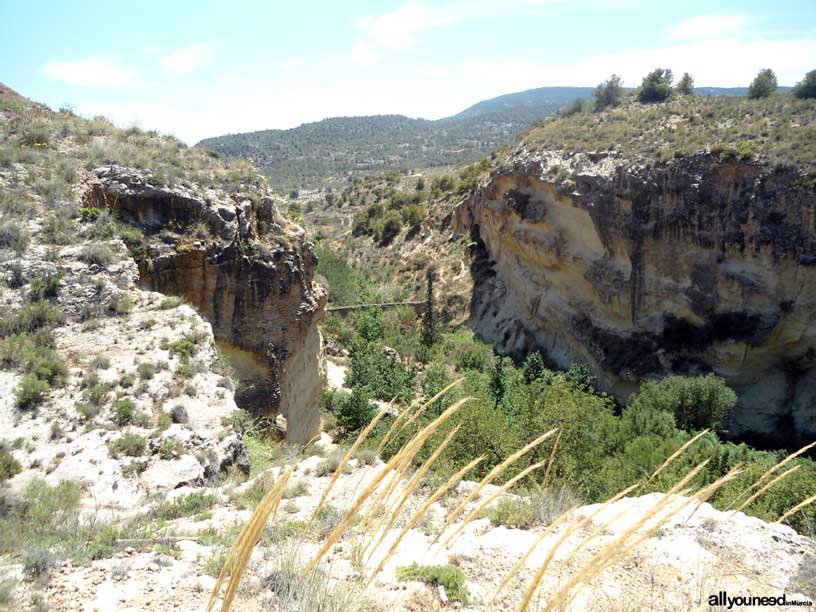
[656, 86]
[763, 85]
[609, 93]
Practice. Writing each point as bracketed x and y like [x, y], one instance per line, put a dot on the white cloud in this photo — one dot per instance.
[709, 26]
[400, 28]
[186, 60]
[433, 71]
[91, 72]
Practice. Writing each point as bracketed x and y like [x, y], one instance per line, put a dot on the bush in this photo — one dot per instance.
[13, 236]
[383, 376]
[171, 447]
[696, 403]
[129, 445]
[355, 411]
[609, 93]
[9, 466]
[806, 88]
[448, 576]
[579, 105]
[97, 254]
[368, 323]
[413, 214]
[518, 513]
[686, 85]
[763, 85]
[193, 504]
[30, 392]
[656, 86]
[124, 411]
[146, 370]
[30, 317]
[388, 227]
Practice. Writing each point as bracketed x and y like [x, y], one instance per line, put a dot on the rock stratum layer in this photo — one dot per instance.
[690, 266]
[246, 269]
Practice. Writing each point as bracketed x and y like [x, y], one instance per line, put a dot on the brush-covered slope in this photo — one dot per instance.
[652, 239]
[328, 150]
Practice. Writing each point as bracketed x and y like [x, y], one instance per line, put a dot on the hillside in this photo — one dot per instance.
[328, 150]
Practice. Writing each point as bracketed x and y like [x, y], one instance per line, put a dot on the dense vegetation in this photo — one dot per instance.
[602, 447]
[308, 155]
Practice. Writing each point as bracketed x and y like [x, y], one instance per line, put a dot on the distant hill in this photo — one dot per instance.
[314, 154]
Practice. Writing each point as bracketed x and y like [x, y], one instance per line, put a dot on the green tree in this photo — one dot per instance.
[686, 85]
[355, 410]
[429, 317]
[696, 402]
[609, 93]
[763, 85]
[497, 386]
[579, 105]
[806, 88]
[368, 324]
[656, 86]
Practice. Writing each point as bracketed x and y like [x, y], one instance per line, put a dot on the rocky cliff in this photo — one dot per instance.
[686, 266]
[245, 268]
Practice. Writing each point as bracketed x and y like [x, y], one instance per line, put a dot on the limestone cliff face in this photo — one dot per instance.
[690, 266]
[246, 269]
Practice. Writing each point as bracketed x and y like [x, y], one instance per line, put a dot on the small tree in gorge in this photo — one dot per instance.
[428, 318]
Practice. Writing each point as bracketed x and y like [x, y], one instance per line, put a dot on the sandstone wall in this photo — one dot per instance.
[247, 270]
[691, 266]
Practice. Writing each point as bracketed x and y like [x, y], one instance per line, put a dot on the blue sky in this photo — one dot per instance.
[197, 69]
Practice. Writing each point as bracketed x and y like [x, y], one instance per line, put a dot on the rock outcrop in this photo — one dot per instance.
[690, 266]
[246, 269]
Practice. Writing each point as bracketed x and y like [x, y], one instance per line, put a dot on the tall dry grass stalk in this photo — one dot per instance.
[771, 483]
[415, 415]
[552, 459]
[501, 490]
[344, 462]
[677, 453]
[411, 448]
[776, 467]
[635, 534]
[238, 556]
[796, 508]
[490, 477]
[453, 480]
[394, 511]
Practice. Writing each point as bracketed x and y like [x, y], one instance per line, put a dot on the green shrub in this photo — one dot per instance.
[97, 254]
[13, 236]
[194, 504]
[368, 323]
[685, 85]
[806, 88]
[9, 466]
[120, 304]
[448, 576]
[763, 85]
[656, 86]
[609, 93]
[146, 370]
[171, 447]
[30, 392]
[124, 411]
[30, 317]
[129, 445]
[355, 410]
[696, 403]
[382, 375]
[579, 105]
[518, 513]
[184, 348]
[169, 303]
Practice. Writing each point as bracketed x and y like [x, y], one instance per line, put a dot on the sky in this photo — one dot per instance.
[198, 69]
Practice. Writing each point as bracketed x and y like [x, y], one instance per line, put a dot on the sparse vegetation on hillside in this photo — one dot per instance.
[780, 128]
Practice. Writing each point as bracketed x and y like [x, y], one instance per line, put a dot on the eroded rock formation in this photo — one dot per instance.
[690, 266]
[246, 269]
